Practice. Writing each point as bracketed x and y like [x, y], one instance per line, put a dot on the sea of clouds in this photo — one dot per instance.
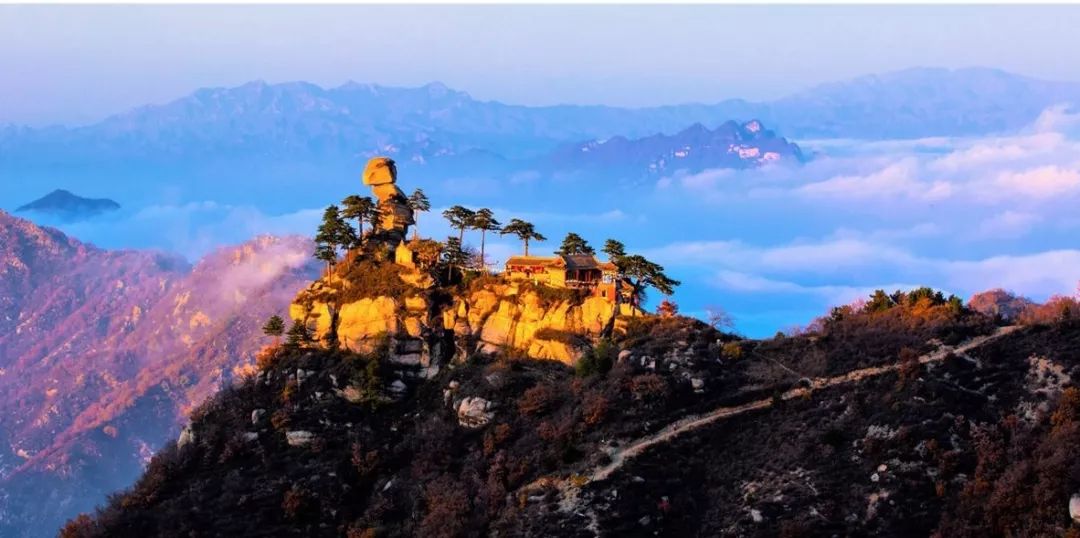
[775, 246]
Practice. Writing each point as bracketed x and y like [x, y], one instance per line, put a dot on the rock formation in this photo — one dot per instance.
[395, 215]
[493, 318]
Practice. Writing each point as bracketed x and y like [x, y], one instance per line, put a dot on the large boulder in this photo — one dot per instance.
[380, 171]
[361, 321]
[475, 412]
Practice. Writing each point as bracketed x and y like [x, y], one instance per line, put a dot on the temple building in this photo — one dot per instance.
[574, 271]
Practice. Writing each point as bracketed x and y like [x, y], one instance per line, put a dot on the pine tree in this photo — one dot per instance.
[460, 217]
[483, 220]
[297, 336]
[333, 233]
[454, 256]
[360, 208]
[615, 251]
[642, 273]
[525, 231]
[275, 327]
[419, 203]
[574, 244]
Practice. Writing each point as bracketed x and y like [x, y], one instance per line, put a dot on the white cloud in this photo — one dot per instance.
[1008, 224]
[899, 179]
[1042, 183]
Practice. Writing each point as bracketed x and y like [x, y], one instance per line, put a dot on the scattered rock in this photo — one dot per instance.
[882, 468]
[874, 477]
[1074, 507]
[474, 412]
[256, 416]
[299, 437]
[251, 436]
[398, 387]
[698, 384]
[352, 394]
[625, 355]
[755, 515]
[187, 437]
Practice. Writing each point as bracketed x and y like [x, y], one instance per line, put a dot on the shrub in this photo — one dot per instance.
[368, 279]
[648, 386]
[597, 360]
[296, 502]
[732, 351]
[537, 399]
[447, 508]
[594, 408]
[80, 527]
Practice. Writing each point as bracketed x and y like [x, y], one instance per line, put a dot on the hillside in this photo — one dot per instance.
[884, 419]
[103, 354]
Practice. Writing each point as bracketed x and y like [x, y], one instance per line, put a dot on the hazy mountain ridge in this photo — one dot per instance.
[68, 206]
[433, 121]
[105, 352]
[693, 149]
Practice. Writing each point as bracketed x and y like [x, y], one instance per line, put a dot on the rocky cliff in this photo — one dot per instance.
[430, 326]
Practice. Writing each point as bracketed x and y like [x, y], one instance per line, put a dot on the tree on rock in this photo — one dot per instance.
[454, 256]
[667, 308]
[525, 231]
[333, 233]
[275, 327]
[615, 251]
[459, 217]
[574, 244]
[483, 220]
[297, 336]
[360, 208]
[419, 203]
[641, 273]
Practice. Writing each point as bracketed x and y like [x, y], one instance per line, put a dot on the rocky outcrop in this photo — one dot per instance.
[395, 213]
[474, 412]
[494, 318]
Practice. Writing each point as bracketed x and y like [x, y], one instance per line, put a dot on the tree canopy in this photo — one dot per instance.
[419, 203]
[574, 244]
[460, 218]
[642, 273]
[275, 326]
[525, 231]
[615, 251]
[361, 208]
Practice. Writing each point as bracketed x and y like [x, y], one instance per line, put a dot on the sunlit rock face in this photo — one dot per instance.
[496, 317]
[395, 215]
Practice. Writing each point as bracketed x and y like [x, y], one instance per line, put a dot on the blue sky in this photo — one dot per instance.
[776, 246]
[72, 64]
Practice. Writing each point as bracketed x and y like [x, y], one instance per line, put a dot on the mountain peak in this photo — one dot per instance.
[69, 206]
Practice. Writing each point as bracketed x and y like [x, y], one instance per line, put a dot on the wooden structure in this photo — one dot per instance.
[574, 271]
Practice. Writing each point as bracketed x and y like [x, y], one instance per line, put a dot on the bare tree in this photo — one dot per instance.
[718, 318]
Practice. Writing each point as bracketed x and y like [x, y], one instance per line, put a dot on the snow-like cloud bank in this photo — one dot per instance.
[960, 214]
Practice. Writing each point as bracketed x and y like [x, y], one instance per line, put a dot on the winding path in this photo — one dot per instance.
[621, 455]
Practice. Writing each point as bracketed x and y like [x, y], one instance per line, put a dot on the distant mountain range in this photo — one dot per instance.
[273, 121]
[259, 137]
[69, 207]
[103, 354]
[695, 148]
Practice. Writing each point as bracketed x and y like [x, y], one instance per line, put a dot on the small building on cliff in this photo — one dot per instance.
[573, 271]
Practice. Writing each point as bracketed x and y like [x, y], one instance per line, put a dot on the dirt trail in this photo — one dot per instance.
[620, 455]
